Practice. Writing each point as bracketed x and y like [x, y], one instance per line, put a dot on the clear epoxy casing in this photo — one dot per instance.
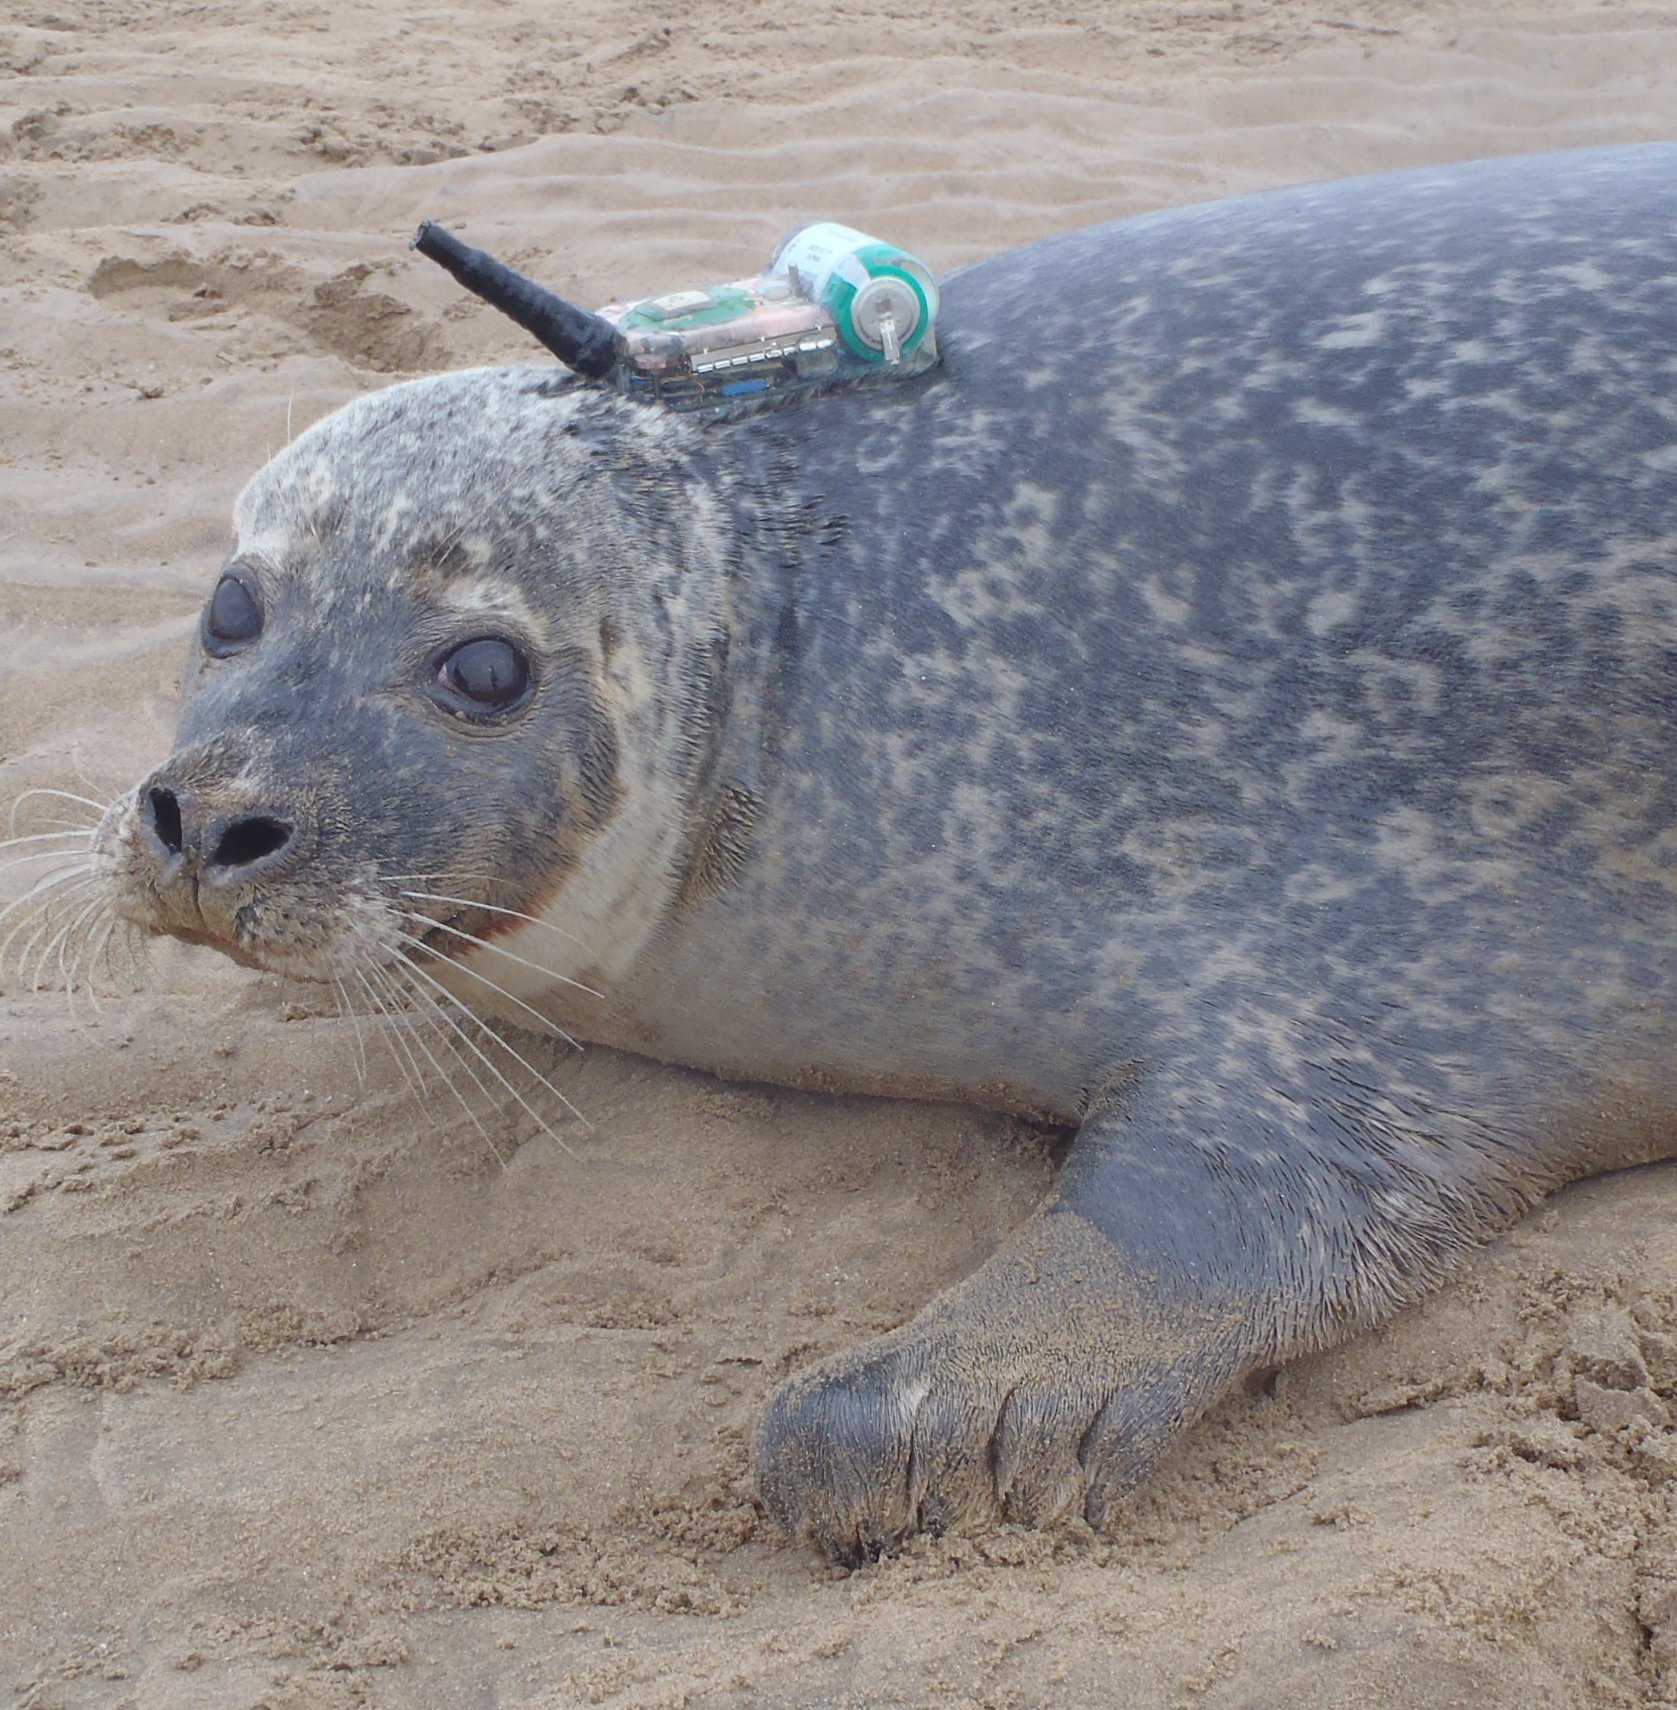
[833, 304]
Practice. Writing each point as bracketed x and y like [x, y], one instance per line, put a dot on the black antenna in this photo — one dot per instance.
[583, 341]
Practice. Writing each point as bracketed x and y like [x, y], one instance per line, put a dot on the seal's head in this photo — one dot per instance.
[437, 687]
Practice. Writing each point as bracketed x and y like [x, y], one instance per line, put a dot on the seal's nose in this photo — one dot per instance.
[160, 815]
[225, 848]
[245, 843]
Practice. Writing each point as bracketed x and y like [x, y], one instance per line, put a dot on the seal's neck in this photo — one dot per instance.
[701, 626]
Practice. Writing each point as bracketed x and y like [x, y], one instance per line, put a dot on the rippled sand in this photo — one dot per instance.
[304, 1400]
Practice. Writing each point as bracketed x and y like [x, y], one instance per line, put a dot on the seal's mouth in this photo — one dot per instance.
[207, 939]
[450, 928]
[298, 929]
[439, 943]
[186, 921]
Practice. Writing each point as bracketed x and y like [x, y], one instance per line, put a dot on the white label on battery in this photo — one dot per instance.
[816, 248]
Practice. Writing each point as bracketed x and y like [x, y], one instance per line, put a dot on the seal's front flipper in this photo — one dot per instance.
[1043, 1385]
[1197, 1231]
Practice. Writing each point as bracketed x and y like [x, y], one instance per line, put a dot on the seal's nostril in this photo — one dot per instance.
[248, 840]
[166, 819]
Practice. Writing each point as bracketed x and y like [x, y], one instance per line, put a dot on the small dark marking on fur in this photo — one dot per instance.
[723, 845]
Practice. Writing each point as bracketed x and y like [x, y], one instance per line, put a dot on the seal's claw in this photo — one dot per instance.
[834, 1454]
[1038, 1476]
[1124, 1442]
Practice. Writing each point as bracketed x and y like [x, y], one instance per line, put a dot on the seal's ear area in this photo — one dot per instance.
[582, 341]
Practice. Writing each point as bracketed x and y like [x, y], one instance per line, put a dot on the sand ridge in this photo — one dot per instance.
[306, 1399]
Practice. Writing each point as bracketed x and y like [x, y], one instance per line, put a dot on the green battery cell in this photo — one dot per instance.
[883, 300]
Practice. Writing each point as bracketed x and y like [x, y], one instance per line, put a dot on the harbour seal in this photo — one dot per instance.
[1230, 707]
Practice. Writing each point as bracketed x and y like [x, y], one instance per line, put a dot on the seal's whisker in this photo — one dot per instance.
[100, 808]
[512, 1051]
[484, 944]
[347, 1010]
[64, 936]
[447, 1079]
[398, 1020]
[84, 833]
[442, 878]
[491, 908]
[59, 851]
[87, 827]
[44, 921]
[127, 937]
[392, 1036]
[438, 990]
[392, 1014]
[97, 951]
[46, 883]
[39, 855]
[81, 938]
[433, 1016]
[427, 878]
[76, 938]
[386, 963]
[97, 947]
[81, 771]
[41, 892]
[43, 924]
[474, 519]
[450, 1033]
[404, 995]
[530, 1010]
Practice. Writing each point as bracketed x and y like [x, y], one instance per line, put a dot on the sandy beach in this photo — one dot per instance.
[307, 1399]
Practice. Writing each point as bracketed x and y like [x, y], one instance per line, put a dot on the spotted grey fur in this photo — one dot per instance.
[1231, 705]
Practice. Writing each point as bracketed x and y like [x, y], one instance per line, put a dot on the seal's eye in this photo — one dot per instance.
[233, 618]
[490, 673]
